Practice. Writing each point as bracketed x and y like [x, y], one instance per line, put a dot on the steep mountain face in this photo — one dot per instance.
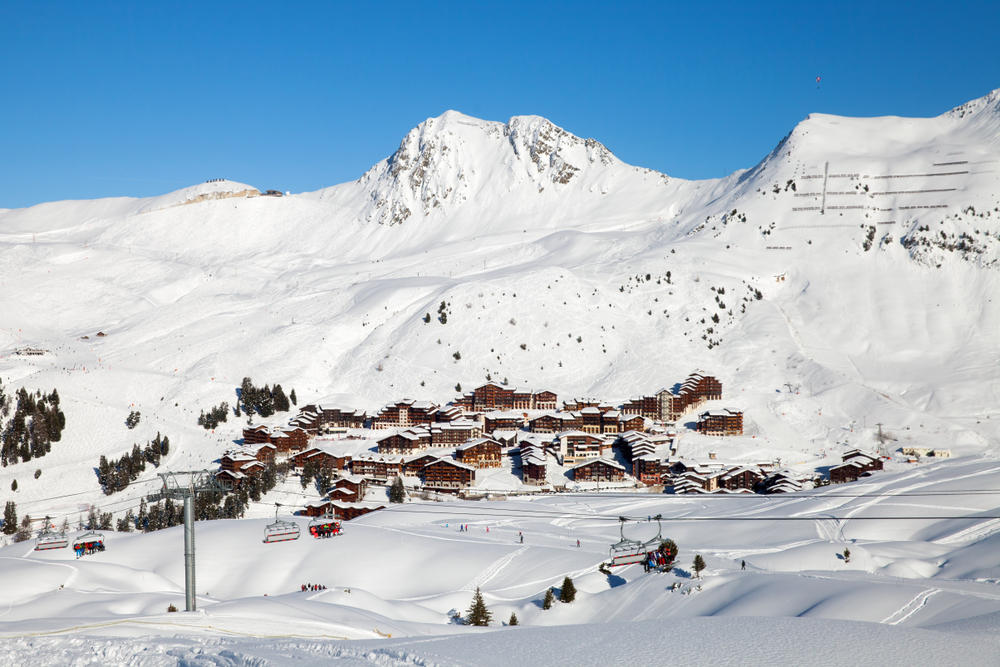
[455, 164]
[856, 263]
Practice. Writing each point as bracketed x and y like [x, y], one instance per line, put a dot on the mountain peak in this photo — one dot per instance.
[447, 159]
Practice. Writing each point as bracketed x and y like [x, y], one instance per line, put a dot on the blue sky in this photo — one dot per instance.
[101, 99]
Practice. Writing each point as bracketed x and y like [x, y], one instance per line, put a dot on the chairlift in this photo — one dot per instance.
[50, 539]
[325, 526]
[88, 543]
[280, 530]
[628, 551]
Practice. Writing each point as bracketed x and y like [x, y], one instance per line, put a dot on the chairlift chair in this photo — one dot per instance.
[280, 530]
[50, 539]
[325, 526]
[628, 551]
[89, 542]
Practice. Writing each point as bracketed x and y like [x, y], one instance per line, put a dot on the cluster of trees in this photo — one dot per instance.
[219, 413]
[320, 476]
[207, 506]
[29, 424]
[566, 594]
[116, 475]
[263, 401]
[133, 419]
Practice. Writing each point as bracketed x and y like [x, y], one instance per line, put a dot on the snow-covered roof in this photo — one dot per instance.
[606, 461]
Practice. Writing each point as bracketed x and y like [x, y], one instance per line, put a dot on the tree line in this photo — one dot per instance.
[28, 430]
[117, 474]
[263, 401]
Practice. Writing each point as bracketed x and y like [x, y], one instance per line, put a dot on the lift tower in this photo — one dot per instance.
[185, 486]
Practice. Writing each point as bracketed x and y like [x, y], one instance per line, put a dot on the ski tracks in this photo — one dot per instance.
[493, 570]
[910, 608]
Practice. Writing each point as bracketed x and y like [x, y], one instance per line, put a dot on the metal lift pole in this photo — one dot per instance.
[186, 486]
[189, 583]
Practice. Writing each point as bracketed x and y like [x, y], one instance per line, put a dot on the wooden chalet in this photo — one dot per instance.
[628, 422]
[554, 422]
[446, 434]
[741, 477]
[646, 406]
[406, 413]
[503, 421]
[696, 389]
[598, 470]
[533, 467]
[493, 396]
[413, 465]
[721, 422]
[318, 508]
[346, 511]
[349, 488]
[406, 441]
[481, 453]
[331, 416]
[647, 469]
[856, 464]
[379, 467]
[575, 446]
[577, 404]
[448, 474]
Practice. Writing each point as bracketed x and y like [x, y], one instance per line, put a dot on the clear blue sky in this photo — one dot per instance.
[101, 99]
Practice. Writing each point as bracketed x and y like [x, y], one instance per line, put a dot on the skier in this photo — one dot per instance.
[578, 544]
[743, 565]
[521, 535]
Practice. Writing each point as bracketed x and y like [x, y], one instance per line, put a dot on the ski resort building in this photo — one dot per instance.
[406, 413]
[407, 441]
[493, 396]
[533, 467]
[448, 474]
[721, 422]
[598, 470]
[481, 453]
[855, 464]
[379, 467]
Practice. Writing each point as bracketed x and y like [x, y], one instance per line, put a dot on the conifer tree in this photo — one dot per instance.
[294, 400]
[513, 619]
[397, 494]
[549, 599]
[847, 555]
[10, 518]
[24, 531]
[698, 565]
[478, 614]
[568, 591]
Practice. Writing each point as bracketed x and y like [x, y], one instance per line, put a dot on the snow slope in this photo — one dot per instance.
[401, 572]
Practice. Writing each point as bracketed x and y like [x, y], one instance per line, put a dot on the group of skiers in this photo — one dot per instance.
[658, 559]
[325, 530]
[87, 548]
[313, 588]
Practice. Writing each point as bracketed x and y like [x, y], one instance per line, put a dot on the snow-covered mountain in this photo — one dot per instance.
[846, 283]
[856, 263]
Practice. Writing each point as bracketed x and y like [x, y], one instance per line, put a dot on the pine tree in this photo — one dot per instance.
[699, 565]
[568, 591]
[291, 395]
[280, 400]
[10, 518]
[24, 532]
[478, 614]
[847, 555]
[549, 599]
[397, 494]
[513, 619]
[13, 485]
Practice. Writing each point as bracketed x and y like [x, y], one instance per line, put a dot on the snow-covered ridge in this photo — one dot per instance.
[446, 161]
